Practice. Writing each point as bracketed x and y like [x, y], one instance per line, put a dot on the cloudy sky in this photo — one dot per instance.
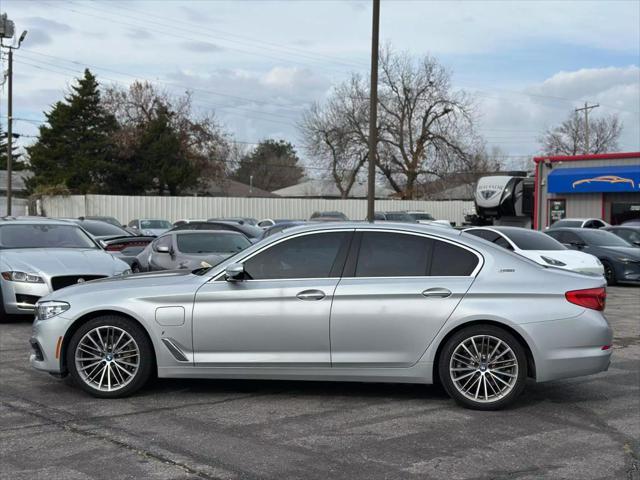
[259, 64]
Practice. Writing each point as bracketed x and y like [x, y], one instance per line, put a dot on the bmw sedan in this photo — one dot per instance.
[343, 301]
[40, 256]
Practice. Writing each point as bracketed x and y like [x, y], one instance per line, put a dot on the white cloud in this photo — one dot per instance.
[514, 120]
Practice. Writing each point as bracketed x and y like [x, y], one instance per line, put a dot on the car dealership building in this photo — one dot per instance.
[605, 186]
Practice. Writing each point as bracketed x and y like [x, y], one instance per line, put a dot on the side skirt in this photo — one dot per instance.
[421, 372]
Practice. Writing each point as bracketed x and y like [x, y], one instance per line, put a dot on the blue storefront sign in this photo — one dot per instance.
[624, 178]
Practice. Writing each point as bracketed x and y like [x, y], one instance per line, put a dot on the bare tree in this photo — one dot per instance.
[425, 128]
[570, 137]
[332, 143]
[203, 143]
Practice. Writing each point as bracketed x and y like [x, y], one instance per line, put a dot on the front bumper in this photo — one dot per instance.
[46, 342]
[572, 347]
[629, 272]
[21, 297]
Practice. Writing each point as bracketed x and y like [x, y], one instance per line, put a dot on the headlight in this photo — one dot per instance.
[553, 261]
[123, 273]
[22, 277]
[50, 309]
[626, 260]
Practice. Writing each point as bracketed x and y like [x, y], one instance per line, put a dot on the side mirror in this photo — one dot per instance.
[234, 272]
[163, 249]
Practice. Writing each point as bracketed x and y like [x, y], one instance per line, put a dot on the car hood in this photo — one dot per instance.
[126, 283]
[193, 260]
[628, 252]
[63, 261]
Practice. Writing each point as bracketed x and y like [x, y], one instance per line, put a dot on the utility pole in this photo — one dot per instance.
[9, 131]
[586, 109]
[373, 112]
[6, 31]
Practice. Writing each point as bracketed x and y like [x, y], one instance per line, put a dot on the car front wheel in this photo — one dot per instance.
[609, 273]
[483, 367]
[110, 357]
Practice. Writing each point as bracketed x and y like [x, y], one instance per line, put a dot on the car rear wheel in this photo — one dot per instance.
[609, 273]
[483, 367]
[110, 357]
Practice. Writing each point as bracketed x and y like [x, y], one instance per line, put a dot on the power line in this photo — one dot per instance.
[242, 38]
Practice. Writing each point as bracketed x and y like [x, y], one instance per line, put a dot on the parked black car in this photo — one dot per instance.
[114, 239]
[620, 259]
[629, 233]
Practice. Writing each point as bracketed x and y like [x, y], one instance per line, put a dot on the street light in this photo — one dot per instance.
[7, 31]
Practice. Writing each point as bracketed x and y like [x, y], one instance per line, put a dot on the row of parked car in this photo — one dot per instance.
[38, 255]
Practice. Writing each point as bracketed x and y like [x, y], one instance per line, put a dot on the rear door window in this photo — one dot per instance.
[385, 254]
[452, 261]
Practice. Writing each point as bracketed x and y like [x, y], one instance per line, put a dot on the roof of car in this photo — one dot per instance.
[503, 229]
[350, 225]
[206, 232]
[35, 220]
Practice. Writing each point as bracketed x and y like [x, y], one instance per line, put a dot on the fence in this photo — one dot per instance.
[18, 206]
[125, 208]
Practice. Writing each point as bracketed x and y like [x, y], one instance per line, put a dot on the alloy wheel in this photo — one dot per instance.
[483, 368]
[107, 358]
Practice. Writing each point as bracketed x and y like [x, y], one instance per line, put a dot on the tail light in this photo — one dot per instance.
[593, 298]
[117, 247]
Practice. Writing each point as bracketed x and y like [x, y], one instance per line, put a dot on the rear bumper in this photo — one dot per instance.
[571, 347]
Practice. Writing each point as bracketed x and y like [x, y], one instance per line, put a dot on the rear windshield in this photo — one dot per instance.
[601, 238]
[44, 236]
[533, 240]
[153, 224]
[422, 216]
[103, 229]
[399, 217]
[211, 243]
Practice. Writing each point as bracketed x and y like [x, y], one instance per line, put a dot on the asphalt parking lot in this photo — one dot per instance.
[584, 428]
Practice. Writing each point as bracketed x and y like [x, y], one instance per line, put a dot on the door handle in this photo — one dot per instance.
[437, 293]
[311, 295]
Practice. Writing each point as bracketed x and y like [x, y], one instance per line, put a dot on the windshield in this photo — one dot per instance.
[103, 229]
[422, 216]
[399, 217]
[211, 243]
[533, 240]
[601, 238]
[568, 223]
[154, 224]
[44, 236]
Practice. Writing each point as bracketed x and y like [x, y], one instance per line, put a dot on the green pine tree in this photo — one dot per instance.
[273, 165]
[160, 153]
[17, 163]
[74, 147]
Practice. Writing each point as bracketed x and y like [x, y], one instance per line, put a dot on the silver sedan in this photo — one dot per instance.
[345, 301]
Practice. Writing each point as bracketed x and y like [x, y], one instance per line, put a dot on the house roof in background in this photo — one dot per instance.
[17, 180]
[328, 189]
[232, 188]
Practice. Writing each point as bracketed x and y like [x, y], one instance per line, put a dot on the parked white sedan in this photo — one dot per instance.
[538, 247]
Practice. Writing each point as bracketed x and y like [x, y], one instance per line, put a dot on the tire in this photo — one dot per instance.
[609, 273]
[104, 371]
[483, 384]
[3, 313]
